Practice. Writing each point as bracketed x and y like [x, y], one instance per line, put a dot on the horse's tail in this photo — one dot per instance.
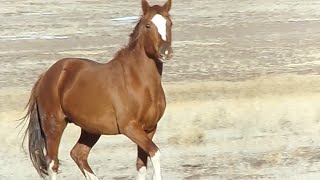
[34, 133]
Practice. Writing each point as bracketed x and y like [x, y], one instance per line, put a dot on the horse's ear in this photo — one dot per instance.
[145, 6]
[167, 5]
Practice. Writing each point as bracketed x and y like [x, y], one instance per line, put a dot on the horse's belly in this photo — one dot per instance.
[93, 114]
[103, 124]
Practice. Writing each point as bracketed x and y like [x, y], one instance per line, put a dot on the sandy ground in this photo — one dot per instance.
[243, 89]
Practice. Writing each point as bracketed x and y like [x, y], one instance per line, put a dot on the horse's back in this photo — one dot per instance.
[54, 81]
[62, 72]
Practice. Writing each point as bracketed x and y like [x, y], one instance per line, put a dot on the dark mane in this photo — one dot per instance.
[133, 37]
[135, 34]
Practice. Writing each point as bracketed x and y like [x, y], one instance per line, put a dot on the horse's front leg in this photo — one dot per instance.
[135, 132]
[142, 159]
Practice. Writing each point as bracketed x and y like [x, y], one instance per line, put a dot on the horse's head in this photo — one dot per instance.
[155, 27]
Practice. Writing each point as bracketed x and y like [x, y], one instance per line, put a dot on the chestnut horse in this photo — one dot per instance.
[123, 96]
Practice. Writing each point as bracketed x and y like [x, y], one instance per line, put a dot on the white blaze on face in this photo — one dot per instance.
[160, 23]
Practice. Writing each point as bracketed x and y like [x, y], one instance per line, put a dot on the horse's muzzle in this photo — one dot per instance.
[166, 53]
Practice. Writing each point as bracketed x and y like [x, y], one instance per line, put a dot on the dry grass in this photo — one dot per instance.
[260, 107]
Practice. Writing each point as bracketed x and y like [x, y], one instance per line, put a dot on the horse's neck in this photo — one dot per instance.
[136, 61]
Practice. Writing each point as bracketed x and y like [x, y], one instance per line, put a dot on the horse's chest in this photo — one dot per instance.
[152, 111]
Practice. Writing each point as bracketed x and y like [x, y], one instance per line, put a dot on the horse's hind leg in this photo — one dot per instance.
[142, 159]
[53, 126]
[80, 153]
[135, 132]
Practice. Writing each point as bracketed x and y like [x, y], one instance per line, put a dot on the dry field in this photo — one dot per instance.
[243, 89]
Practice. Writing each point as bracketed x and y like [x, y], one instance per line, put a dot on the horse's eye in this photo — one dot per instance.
[148, 26]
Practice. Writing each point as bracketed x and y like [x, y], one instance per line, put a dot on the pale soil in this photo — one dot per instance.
[243, 89]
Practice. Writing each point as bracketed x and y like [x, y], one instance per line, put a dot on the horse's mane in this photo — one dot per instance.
[134, 36]
[133, 39]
